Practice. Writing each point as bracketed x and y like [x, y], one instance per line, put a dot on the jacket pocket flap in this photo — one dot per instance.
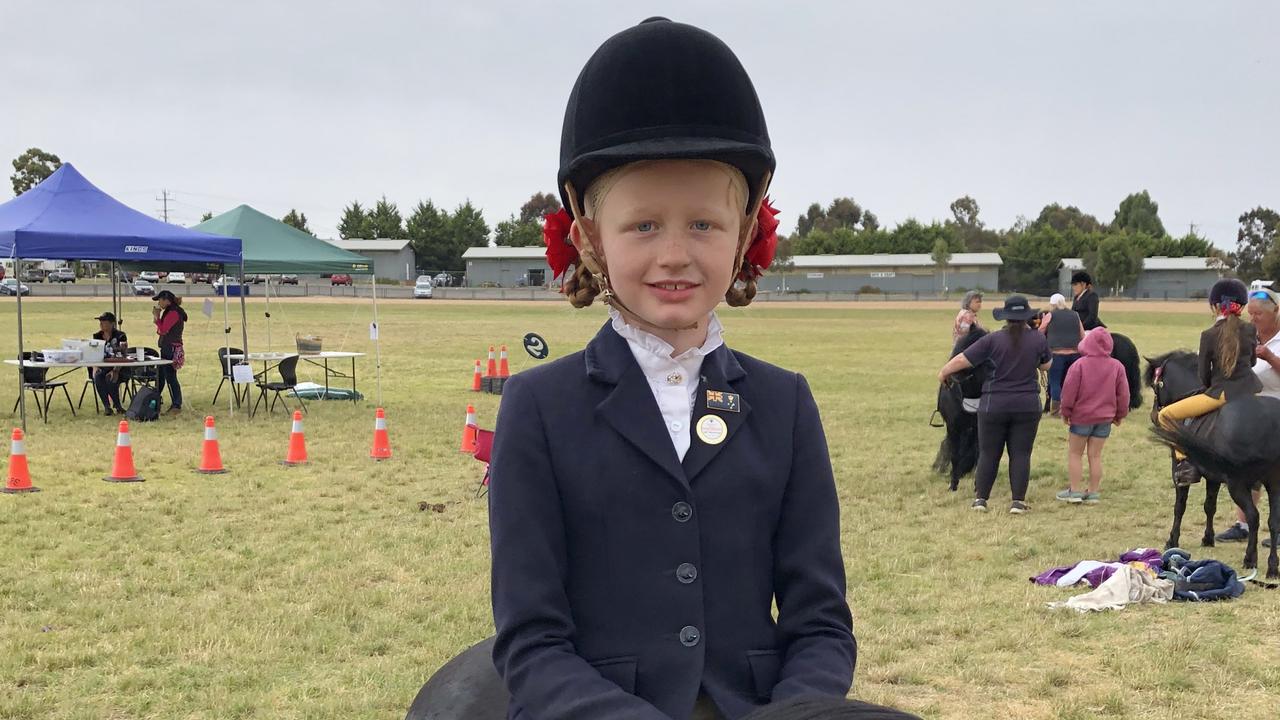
[621, 671]
[765, 666]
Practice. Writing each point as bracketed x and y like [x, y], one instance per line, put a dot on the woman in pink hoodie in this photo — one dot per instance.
[1095, 396]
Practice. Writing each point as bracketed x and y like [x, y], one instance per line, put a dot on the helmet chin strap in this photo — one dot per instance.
[597, 266]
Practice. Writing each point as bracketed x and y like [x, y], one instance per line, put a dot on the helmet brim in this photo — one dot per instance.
[752, 159]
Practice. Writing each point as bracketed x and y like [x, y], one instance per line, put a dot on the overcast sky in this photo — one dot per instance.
[902, 105]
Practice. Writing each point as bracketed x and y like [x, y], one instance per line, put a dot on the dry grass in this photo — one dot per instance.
[324, 592]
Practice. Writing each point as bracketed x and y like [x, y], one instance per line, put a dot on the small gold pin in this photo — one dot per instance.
[712, 429]
[675, 378]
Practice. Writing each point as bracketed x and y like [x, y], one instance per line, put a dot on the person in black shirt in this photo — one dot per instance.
[107, 380]
[1086, 300]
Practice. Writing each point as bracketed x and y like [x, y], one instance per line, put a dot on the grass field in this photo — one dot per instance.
[325, 592]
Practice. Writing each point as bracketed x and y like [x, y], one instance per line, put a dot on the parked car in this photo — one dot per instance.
[422, 288]
[176, 277]
[11, 286]
[199, 278]
[443, 280]
[288, 279]
[149, 276]
[340, 280]
[33, 275]
[142, 287]
[62, 275]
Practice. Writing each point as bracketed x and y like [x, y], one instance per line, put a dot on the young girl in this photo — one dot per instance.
[1227, 354]
[1095, 395]
[1064, 331]
[654, 495]
[967, 318]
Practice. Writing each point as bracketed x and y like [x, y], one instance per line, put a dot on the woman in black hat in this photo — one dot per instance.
[654, 496]
[1085, 300]
[170, 320]
[1228, 350]
[1009, 413]
[106, 381]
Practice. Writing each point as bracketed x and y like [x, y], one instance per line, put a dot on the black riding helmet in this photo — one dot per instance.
[662, 90]
[1228, 290]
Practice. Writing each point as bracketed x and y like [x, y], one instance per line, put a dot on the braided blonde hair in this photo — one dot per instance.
[582, 285]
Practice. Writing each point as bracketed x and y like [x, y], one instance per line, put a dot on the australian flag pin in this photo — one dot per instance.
[720, 400]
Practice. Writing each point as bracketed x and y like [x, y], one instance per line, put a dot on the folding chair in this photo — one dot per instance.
[226, 366]
[484, 449]
[34, 379]
[139, 375]
[89, 388]
[289, 375]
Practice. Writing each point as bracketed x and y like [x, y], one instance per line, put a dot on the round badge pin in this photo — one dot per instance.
[536, 346]
[711, 429]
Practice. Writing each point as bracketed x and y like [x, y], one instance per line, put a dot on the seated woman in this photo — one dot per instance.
[107, 380]
[1228, 350]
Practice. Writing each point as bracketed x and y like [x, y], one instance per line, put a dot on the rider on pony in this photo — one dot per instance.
[1226, 367]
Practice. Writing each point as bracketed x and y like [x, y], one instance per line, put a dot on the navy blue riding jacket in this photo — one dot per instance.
[625, 581]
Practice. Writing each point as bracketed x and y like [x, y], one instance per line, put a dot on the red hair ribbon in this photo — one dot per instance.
[555, 235]
[1231, 308]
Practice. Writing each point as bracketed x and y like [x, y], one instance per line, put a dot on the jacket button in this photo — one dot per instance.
[682, 511]
[686, 573]
[689, 636]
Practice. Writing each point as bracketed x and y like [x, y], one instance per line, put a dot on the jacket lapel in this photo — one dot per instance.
[630, 408]
[720, 371]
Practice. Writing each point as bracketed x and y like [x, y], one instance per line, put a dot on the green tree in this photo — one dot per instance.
[514, 232]
[842, 212]
[298, 220]
[1255, 240]
[385, 221]
[31, 168]
[965, 212]
[468, 228]
[206, 216]
[429, 234]
[1118, 263]
[538, 206]
[1139, 213]
[1062, 218]
[941, 255]
[354, 223]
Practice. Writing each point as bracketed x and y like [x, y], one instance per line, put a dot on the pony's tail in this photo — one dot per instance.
[942, 462]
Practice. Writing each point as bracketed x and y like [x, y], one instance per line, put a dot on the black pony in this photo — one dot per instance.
[1235, 446]
[466, 688]
[958, 454]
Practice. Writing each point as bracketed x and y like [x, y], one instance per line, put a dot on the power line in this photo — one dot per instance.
[164, 212]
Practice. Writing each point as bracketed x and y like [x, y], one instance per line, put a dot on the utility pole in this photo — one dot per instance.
[1191, 228]
[164, 198]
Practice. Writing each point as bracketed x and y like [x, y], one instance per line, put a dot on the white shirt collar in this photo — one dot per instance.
[661, 349]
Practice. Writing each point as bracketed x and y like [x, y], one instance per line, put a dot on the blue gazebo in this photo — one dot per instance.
[66, 217]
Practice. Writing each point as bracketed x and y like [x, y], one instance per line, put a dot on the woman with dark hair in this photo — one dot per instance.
[1085, 300]
[170, 319]
[1009, 412]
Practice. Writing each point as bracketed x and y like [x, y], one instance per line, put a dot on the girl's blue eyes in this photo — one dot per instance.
[699, 225]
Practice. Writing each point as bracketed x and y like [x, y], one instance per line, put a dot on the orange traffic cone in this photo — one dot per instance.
[122, 469]
[381, 443]
[492, 370]
[211, 458]
[469, 432]
[503, 369]
[297, 443]
[476, 380]
[19, 475]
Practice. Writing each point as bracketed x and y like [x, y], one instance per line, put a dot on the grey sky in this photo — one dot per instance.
[902, 105]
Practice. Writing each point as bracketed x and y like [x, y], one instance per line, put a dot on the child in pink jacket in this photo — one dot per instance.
[1095, 396]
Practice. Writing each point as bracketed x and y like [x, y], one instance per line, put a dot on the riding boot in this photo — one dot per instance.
[1053, 407]
[1184, 474]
